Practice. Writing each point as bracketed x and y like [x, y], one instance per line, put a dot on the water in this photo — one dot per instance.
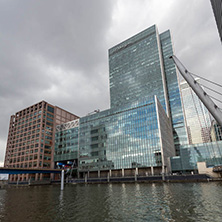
[113, 202]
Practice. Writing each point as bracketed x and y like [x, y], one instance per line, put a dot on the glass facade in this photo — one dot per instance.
[145, 125]
[140, 66]
[204, 135]
[125, 137]
[66, 142]
[173, 91]
[136, 69]
[211, 153]
[198, 118]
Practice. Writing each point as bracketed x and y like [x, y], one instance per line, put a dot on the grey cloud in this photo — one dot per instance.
[70, 33]
[57, 50]
[40, 36]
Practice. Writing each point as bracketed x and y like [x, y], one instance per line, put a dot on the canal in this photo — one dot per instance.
[113, 202]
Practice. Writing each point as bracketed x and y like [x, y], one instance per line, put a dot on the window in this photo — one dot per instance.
[95, 138]
[50, 109]
[94, 146]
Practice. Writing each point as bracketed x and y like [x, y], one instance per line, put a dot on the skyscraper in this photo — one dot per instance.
[140, 67]
[204, 135]
[145, 123]
[197, 117]
[217, 9]
[141, 133]
[144, 129]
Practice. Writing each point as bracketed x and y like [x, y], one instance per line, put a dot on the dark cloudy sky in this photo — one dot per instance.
[57, 51]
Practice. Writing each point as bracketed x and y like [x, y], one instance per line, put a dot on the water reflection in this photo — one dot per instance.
[113, 202]
[61, 201]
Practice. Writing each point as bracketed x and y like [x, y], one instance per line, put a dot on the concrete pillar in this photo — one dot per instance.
[110, 173]
[163, 173]
[85, 177]
[36, 176]
[152, 171]
[98, 173]
[122, 172]
[135, 176]
[27, 176]
[88, 174]
[108, 176]
[23, 177]
[40, 176]
[137, 171]
[62, 180]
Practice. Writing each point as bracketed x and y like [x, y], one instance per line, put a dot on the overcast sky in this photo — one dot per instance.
[57, 51]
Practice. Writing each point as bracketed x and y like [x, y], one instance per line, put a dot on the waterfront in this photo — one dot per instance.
[113, 202]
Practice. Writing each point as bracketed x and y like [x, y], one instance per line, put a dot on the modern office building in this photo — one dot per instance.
[201, 126]
[140, 67]
[135, 135]
[204, 135]
[216, 131]
[144, 126]
[67, 144]
[130, 137]
[31, 137]
[217, 9]
[198, 118]
[190, 155]
[144, 131]
[145, 123]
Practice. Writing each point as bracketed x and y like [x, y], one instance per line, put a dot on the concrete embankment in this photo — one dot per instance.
[149, 179]
[138, 179]
[31, 183]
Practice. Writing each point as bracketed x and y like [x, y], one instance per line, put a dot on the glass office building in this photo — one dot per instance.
[198, 118]
[136, 69]
[217, 9]
[134, 135]
[173, 92]
[145, 126]
[145, 122]
[140, 66]
[211, 153]
[66, 143]
[204, 135]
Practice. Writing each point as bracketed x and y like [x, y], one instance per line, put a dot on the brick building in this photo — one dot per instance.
[31, 137]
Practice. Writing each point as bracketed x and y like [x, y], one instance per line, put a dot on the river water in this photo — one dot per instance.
[113, 202]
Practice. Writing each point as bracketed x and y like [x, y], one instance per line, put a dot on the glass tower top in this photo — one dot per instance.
[136, 69]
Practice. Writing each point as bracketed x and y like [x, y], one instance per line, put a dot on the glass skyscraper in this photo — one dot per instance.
[204, 135]
[134, 132]
[139, 67]
[136, 69]
[197, 117]
[144, 126]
